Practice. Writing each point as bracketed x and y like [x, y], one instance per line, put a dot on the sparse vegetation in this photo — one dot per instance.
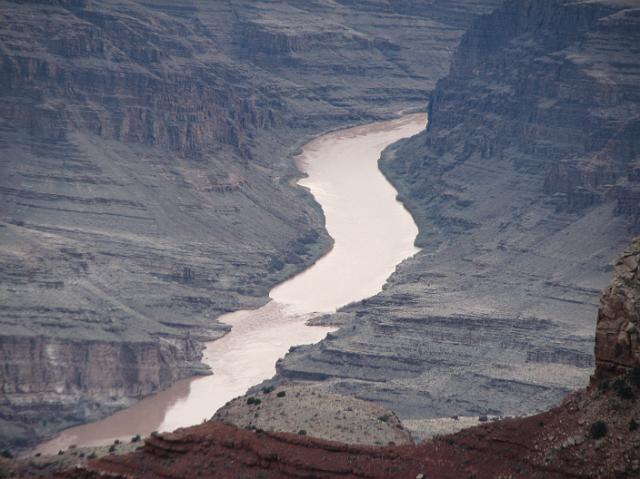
[598, 430]
[623, 390]
[276, 264]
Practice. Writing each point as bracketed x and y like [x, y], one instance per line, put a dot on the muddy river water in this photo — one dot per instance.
[372, 231]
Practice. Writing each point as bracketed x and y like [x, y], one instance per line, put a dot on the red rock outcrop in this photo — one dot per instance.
[618, 331]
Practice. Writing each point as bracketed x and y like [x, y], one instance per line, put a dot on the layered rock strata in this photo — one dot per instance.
[593, 433]
[523, 187]
[145, 175]
[618, 330]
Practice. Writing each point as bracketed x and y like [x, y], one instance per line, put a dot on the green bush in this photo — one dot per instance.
[267, 390]
[598, 430]
[281, 394]
[253, 400]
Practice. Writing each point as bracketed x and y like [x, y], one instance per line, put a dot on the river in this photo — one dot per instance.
[372, 233]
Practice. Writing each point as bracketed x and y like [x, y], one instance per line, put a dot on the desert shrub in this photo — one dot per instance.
[302, 432]
[93, 455]
[136, 438]
[275, 264]
[6, 454]
[623, 390]
[384, 418]
[598, 430]
[634, 376]
[281, 394]
[633, 425]
[112, 448]
[267, 389]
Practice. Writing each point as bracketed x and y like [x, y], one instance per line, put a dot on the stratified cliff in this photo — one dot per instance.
[524, 186]
[593, 433]
[618, 331]
[145, 175]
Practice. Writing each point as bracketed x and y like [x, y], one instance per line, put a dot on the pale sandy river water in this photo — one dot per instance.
[372, 232]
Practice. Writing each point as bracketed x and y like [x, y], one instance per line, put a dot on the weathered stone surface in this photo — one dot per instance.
[618, 331]
[317, 413]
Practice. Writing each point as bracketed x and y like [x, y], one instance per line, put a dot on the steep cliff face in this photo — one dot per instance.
[145, 174]
[618, 334]
[593, 433]
[524, 188]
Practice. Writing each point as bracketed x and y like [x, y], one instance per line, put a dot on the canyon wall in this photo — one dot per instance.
[524, 186]
[618, 334]
[559, 443]
[145, 175]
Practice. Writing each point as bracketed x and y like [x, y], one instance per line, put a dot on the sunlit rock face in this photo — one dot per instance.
[145, 175]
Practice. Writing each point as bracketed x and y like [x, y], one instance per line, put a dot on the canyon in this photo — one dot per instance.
[341, 173]
[560, 443]
[521, 187]
[525, 186]
[146, 176]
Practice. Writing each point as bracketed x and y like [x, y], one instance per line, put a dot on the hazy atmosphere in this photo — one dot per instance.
[350, 238]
